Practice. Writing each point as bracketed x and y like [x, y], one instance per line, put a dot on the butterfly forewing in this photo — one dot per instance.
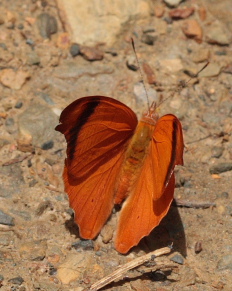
[97, 130]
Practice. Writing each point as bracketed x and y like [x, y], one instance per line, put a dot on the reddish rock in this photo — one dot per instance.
[159, 11]
[181, 13]
[14, 79]
[151, 78]
[192, 29]
[63, 41]
[91, 53]
[202, 13]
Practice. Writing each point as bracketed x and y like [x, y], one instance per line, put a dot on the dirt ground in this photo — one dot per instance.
[40, 248]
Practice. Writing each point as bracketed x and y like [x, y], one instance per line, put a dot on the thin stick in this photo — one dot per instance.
[193, 204]
[16, 160]
[128, 266]
[140, 72]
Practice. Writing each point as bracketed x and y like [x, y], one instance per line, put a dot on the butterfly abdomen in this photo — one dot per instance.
[135, 155]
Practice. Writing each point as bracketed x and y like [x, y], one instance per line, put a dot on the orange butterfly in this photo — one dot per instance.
[111, 157]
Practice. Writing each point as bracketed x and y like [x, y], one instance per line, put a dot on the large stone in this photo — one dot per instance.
[93, 21]
[38, 122]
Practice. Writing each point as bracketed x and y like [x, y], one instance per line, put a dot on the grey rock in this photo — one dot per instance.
[212, 70]
[17, 280]
[177, 258]
[220, 168]
[33, 249]
[149, 38]
[38, 121]
[19, 104]
[23, 214]
[33, 58]
[5, 240]
[45, 97]
[74, 49]
[83, 244]
[217, 152]
[217, 34]
[225, 263]
[6, 219]
[47, 25]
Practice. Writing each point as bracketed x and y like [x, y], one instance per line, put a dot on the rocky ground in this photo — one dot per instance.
[42, 71]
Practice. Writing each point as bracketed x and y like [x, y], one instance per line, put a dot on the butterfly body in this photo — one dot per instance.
[111, 158]
[136, 153]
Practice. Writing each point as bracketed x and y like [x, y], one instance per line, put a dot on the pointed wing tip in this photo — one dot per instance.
[122, 248]
[59, 128]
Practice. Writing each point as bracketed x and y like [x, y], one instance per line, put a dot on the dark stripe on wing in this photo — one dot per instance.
[173, 154]
[75, 129]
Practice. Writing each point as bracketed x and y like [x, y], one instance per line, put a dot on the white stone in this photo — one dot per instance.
[173, 3]
[93, 21]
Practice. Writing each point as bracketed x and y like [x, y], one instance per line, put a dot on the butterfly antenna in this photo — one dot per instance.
[140, 72]
[183, 84]
[196, 75]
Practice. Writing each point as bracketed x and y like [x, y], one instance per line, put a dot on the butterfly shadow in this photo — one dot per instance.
[169, 232]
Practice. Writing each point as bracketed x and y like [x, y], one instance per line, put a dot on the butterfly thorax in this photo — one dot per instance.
[135, 155]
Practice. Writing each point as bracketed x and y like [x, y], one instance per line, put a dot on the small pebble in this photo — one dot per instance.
[172, 3]
[3, 46]
[6, 219]
[83, 244]
[33, 59]
[23, 214]
[198, 247]
[9, 122]
[225, 263]
[47, 145]
[43, 206]
[131, 63]
[74, 49]
[181, 13]
[217, 152]
[45, 97]
[159, 11]
[220, 168]
[30, 41]
[112, 52]
[20, 26]
[225, 195]
[217, 34]
[151, 78]
[17, 280]
[47, 25]
[177, 258]
[149, 38]
[19, 104]
[220, 53]
[91, 53]
[168, 20]
[192, 29]
[52, 270]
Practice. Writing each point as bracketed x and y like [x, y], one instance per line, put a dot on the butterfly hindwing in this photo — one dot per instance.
[150, 199]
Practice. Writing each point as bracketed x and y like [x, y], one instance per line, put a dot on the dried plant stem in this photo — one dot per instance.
[128, 266]
[193, 204]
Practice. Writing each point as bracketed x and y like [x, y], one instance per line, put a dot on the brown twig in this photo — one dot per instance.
[16, 160]
[193, 204]
[128, 266]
